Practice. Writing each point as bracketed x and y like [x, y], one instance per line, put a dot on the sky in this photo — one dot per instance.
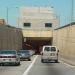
[61, 7]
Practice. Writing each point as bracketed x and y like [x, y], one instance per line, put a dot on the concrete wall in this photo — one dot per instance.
[64, 39]
[37, 33]
[10, 38]
[38, 23]
[37, 16]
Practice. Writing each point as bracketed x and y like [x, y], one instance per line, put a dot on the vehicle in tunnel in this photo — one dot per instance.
[36, 44]
[24, 54]
[49, 53]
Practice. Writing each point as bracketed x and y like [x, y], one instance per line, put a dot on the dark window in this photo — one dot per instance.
[48, 24]
[27, 24]
[53, 49]
[7, 52]
[47, 49]
[50, 49]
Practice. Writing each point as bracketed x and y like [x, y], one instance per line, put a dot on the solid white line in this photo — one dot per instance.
[30, 66]
[66, 64]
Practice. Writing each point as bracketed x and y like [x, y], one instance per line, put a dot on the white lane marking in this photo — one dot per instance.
[30, 66]
[66, 63]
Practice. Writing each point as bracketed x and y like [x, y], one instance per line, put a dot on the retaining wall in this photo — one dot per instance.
[64, 39]
[10, 38]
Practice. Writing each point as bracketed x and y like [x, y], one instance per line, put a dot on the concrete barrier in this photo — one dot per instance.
[10, 38]
[64, 39]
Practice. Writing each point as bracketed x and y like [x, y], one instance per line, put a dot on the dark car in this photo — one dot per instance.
[24, 54]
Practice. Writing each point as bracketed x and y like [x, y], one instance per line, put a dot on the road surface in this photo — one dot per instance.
[35, 67]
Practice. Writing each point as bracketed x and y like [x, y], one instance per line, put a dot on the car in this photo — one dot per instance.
[24, 54]
[49, 53]
[32, 52]
[9, 57]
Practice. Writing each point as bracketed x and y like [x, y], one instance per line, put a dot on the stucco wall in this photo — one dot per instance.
[37, 33]
[37, 16]
[38, 23]
[64, 39]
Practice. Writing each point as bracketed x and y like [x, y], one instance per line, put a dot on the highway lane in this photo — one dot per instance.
[51, 68]
[15, 70]
[35, 67]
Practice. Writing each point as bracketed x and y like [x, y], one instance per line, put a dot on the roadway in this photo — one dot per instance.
[35, 67]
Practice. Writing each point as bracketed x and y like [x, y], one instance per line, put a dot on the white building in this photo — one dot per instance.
[38, 22]
[37, 18]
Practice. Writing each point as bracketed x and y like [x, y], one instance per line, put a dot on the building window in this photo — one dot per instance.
[27, 24]
[48, 24]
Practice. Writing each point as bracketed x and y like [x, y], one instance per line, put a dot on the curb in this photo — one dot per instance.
[67, 61]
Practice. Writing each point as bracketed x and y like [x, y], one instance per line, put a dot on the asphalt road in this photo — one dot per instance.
[35, 67]
[15, 70]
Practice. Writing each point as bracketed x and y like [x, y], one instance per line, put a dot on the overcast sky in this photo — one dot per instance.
[62, 8]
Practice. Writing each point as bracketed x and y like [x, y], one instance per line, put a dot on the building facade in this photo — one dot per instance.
[37, 25]
[38, 19]
[2, 22]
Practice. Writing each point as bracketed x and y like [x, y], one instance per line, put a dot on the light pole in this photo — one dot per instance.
[7, 14]
[72, 16]
[17, 17]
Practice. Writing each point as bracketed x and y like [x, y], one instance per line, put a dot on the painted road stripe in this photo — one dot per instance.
[66, 63]
[30, 66]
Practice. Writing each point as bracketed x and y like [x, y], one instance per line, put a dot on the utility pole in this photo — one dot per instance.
[7, 14]
[72, 16]
[18, 22]
[17, 17]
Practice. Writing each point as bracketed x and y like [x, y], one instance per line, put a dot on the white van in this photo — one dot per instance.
[49, 53]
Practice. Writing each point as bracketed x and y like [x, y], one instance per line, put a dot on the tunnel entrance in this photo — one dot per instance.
[36, 43]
